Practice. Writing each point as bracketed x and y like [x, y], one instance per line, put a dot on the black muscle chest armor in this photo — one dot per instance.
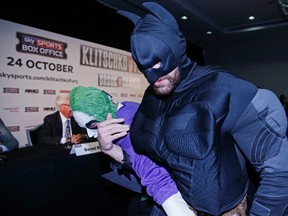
[183, 134]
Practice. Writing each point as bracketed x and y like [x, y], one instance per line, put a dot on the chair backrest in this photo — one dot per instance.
[32, 135]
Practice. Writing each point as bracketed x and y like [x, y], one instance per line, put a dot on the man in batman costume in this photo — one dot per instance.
[203, 124]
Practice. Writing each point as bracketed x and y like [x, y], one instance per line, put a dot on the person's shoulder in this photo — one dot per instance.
[52, 115]
[1, 122]
[128, 109]
[130, 104]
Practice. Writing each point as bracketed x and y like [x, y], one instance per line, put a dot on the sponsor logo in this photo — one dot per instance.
[124, 95]
[32, 91]
[132, 95]
[11, 90]
[31, 109]
[13, 128]
[49, 108]
[12, 109]
[40, 46]
[49, 92]
[64, 91]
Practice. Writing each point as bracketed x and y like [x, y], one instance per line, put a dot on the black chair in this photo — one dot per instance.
[32, 135]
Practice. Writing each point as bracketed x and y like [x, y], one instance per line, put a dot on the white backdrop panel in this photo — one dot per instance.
[35, 65]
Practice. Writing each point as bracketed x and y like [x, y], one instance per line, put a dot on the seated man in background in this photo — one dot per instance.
[7, 141]
[54, 129]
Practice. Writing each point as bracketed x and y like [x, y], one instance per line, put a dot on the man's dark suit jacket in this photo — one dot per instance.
[51, 130]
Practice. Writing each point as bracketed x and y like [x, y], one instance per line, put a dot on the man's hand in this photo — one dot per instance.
[109, 130]
[77, 138]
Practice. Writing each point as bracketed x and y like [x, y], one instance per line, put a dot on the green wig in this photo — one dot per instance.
[92, 101]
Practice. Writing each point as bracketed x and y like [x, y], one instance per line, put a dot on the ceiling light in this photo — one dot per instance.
[251, 17]
[184, 17]
[209, 32]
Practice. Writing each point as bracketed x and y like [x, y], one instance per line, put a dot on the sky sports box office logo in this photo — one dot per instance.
[40, 46]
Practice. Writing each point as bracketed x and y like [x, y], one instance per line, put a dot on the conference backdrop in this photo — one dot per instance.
[36, 65]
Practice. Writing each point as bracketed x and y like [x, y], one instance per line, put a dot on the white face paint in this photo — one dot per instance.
[82, 119]
[92, 132]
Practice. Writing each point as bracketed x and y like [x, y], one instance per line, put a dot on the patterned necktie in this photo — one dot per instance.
[67, 132]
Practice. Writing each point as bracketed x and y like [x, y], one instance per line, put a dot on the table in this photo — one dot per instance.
[47, 180]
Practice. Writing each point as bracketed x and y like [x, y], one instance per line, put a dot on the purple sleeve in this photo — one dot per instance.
[156, 179]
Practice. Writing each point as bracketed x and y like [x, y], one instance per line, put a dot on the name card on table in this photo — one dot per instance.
[85, 148]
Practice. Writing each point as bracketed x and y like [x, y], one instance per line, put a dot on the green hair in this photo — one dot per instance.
[92, 101]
